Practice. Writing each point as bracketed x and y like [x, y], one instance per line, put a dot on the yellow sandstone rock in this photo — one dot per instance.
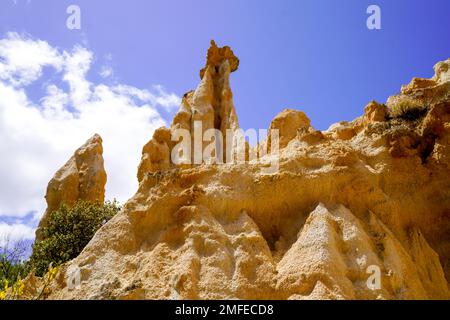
[289, 122]
[83, 177]
[360, 211]
[211, 104]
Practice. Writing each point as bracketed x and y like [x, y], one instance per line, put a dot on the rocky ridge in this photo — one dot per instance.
[363, 196]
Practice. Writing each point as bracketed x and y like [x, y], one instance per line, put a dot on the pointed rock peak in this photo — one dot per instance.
[83, 177]
[209, 106]
[93, 145]
[216, 56]
[95, 139]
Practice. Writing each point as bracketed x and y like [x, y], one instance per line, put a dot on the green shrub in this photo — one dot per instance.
[13, 264]
[68, 231]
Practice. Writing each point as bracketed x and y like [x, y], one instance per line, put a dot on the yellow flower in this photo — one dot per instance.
[21, 287]
[52, 271]
[17, 289]
[2, 295]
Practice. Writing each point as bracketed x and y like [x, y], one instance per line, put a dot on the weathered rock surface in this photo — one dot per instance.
[83, 177]
[210, 105]
[370, 194]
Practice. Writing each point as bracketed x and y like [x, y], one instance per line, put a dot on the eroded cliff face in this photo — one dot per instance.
[83, 177]
[370, 194]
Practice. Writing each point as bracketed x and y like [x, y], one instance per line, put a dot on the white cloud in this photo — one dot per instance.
[106, 71]
[11, 233]
[22, 59]
[168, 101]
[77, 64]
[38, 137]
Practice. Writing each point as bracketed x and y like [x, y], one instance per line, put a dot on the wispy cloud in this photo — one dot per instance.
[10, 233]
[106, 71]
[22, 60]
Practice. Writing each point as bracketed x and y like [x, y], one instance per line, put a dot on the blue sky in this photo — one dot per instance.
[314, 55]
[317, 56]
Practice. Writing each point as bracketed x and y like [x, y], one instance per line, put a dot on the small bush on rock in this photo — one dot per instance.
[406, 108]
[68, 231]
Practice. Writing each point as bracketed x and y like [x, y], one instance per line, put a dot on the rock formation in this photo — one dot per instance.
[83, 177]
[210, 105]
[364, 200]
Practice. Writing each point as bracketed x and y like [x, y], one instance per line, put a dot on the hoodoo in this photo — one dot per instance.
[210, 105]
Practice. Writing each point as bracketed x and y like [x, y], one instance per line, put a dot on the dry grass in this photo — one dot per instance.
[406, 108]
